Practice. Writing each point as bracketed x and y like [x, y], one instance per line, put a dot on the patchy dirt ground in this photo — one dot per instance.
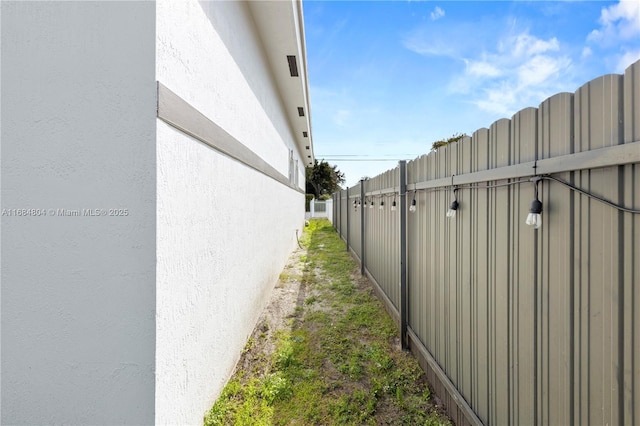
[287, 299]
[324, 351]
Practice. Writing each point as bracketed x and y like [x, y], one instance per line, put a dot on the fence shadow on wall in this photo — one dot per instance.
[516, 325]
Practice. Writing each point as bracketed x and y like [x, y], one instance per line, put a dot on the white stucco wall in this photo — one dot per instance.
[210, 54]
[139, 318]
[78, 292]
[224, 232]
[224, 229]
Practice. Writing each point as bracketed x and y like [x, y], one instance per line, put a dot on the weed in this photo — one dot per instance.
[250, 344]
[286, 277]
[338, 364]
[275, 387]
[283, 357]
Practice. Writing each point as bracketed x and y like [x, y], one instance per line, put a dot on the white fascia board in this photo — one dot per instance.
[281, 27]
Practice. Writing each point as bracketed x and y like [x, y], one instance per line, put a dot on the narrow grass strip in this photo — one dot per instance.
[339, 362]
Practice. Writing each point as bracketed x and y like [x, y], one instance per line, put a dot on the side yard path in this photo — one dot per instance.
[325, 352]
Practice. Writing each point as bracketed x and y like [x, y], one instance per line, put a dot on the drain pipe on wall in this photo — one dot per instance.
[298, 239]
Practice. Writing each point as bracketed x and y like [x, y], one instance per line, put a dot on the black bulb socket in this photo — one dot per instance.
[536, 207]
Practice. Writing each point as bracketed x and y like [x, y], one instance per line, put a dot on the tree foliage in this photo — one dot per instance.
[445, 142]
[323, 179]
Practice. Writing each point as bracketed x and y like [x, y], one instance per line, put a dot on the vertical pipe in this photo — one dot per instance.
[362, 249]
[404, 305]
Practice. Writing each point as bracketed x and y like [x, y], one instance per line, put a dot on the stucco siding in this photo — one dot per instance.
[224, 233]
[78, 291]
[127, 297]
[210, 55]
[224, 229]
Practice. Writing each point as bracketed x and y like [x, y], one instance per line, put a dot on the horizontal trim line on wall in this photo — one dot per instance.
[178, 113]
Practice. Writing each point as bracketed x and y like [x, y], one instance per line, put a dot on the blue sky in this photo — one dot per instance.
[387, 78]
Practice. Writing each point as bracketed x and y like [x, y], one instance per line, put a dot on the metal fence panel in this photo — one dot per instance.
[631, 269]
[345, 205]
[464, 280]
[516, 325]
[355, 220]
[480, 275]
[554, 317]
[598, 123]
[382, 238]
[522, 276]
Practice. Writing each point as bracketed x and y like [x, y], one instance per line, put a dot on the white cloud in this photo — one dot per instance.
[618, 22]
[522, 71]
[618, 34]
[482, 69]
[525, 44]
[437, 13]
[500, 73]
[586, 52]
[595, 35]
[540, 69]
[341, 117]
[497, 100]
[627, 59]
[429, 47]
[440, 39]
[625, 16]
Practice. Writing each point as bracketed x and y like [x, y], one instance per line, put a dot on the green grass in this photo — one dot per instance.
[339, 364]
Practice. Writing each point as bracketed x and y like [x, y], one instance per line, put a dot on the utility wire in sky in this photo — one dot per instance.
[366, 157]
[362, 159]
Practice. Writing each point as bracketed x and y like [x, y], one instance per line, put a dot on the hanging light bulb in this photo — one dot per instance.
[355, 204]
[371, 205]
[393, 205]
[381, 205]
[452, 209]
[413, 206]
[533, 218]
[451, 213]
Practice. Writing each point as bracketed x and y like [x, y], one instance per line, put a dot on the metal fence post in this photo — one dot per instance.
[347, 239]
[404, 305]
[337, 202]
[362, 249]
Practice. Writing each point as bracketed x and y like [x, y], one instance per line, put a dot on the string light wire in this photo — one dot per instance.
[527, 180]
[519, 181]
[590, 195]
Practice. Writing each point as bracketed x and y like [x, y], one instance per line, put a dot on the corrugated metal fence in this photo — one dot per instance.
[516, 325]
